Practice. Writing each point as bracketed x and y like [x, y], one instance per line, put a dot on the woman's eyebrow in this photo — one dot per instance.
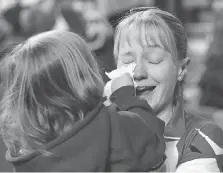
[146, 47]
[128, 53]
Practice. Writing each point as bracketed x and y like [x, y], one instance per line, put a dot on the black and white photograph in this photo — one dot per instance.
[111, 86]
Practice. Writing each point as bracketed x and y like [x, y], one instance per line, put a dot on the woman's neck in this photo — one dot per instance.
[166, 113]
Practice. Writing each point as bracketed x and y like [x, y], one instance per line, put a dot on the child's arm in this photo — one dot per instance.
[137, 142]
[123, 95]
[142, 131]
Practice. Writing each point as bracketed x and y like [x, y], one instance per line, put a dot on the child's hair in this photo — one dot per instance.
[51, 81]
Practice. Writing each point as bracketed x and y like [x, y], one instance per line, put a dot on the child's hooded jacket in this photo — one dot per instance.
[125, 136]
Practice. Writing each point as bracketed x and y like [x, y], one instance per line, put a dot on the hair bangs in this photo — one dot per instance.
[121, 31]
[154, 32]
[148, 30]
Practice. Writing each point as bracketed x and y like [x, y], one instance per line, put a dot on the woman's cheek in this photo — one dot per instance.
[159, 73]
[166, 72]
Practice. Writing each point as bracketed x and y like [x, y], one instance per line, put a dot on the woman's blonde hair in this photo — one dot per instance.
[147, 22]
[51, 81]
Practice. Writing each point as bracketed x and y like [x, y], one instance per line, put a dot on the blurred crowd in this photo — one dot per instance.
[19, 20]
[92, 19]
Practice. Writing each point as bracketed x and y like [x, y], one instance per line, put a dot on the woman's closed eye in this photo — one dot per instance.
[154, 57]
[127, 59]
[154, 60]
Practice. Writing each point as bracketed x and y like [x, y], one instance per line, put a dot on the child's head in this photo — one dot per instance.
[51, 81]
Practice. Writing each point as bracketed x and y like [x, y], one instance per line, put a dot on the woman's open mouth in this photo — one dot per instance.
[144, 90]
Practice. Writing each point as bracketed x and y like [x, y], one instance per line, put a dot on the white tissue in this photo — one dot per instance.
[107, 92]
[120, 71]
[117, 73]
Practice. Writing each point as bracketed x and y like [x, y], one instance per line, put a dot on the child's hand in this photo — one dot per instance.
[124, 80]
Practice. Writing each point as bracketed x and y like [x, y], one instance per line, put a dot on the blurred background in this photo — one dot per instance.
[95, 21]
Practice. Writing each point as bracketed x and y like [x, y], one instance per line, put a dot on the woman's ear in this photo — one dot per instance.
[183, 68]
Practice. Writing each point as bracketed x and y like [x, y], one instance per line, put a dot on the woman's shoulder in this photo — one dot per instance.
[202, 118]
[208, 136]
[203, 138]
[202, 128]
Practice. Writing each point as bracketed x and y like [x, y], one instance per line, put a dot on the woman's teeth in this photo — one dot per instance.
[142, 90]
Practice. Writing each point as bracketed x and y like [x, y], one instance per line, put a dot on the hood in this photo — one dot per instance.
[84, 148]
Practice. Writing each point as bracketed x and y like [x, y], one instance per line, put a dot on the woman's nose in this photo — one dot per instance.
[140, 72]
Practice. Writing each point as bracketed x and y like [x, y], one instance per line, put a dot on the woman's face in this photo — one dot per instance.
[155, 72]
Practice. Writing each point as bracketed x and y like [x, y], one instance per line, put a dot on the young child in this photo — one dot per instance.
[53, 117]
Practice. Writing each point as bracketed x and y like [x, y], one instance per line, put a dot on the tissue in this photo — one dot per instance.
[117, 73]
[120, 71]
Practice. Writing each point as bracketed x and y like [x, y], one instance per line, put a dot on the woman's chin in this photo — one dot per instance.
[148, 99]
[146, 96]
[152, 104]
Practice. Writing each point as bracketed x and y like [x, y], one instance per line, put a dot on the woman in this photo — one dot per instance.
[157, 42]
